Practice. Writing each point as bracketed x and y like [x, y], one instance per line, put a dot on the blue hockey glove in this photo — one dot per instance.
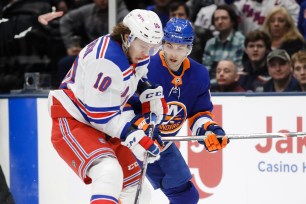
[211, 129]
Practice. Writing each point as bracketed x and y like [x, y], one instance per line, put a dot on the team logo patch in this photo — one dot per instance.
[177, 114]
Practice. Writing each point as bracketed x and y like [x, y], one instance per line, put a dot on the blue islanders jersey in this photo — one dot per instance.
[187, 95]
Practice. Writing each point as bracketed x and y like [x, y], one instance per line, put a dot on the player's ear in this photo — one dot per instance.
[190, 49]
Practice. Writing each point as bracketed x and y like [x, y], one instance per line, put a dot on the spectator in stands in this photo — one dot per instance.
[137, 4]
[44, 19]
[196, 5]
[227, 78]
[254, 12]
[280, 70]
[299, 68]
[179, 9]
[161, 8]
[25, 44]
[228, 44]
[88, 22]
[8, 80]
[204, 14]
[203, 27]
[81, 26]
[302, 19]
[255, 72]
[280, 27]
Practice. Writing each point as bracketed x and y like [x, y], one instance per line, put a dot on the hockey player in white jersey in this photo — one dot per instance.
[94, 130]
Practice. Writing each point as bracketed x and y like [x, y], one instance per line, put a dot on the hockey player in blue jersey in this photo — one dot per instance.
[186, 86]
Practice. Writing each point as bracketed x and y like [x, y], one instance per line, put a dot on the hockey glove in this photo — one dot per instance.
[156, 133]
[142, 122]
[152, 100]
[211, 129]
[139, 143]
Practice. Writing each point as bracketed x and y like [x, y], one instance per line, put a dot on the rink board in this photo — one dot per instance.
[246, 172]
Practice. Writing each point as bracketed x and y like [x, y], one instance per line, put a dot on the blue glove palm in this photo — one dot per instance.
[212, 142]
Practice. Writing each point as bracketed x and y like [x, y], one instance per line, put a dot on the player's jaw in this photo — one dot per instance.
[135, 56]
[173, 61]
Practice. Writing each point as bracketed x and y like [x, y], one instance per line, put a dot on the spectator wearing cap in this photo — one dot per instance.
[299, 68]
[280, 70]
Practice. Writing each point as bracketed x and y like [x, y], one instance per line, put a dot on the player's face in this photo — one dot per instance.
[139, 50]
[175, 53]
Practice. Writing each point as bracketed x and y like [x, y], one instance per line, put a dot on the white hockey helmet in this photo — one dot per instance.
[145, 25]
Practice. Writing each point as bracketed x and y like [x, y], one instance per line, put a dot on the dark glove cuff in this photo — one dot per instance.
[209, 123]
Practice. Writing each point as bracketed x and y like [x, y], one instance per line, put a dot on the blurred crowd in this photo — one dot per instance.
[247, 45]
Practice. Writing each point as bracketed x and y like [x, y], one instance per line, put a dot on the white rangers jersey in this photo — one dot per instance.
[253, 13]
[98, 85]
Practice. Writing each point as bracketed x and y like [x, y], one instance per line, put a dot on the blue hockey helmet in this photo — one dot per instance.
[179, 31]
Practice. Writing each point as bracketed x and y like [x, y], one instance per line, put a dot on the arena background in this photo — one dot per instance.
[246, 172]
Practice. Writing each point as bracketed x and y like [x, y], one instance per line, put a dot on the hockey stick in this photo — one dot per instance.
[145, 160]
[238, 136]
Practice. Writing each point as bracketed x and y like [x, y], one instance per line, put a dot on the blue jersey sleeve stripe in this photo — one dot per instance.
[102, 120]
[145, 61]
[101, 109]
[127, 77]
[103, 197]
[99, 48]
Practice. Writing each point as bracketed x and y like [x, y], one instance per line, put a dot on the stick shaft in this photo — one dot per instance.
[145, 161]
[238, 136]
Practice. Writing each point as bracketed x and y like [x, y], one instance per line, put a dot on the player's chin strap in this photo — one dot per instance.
[238, 136]
[145, 160]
